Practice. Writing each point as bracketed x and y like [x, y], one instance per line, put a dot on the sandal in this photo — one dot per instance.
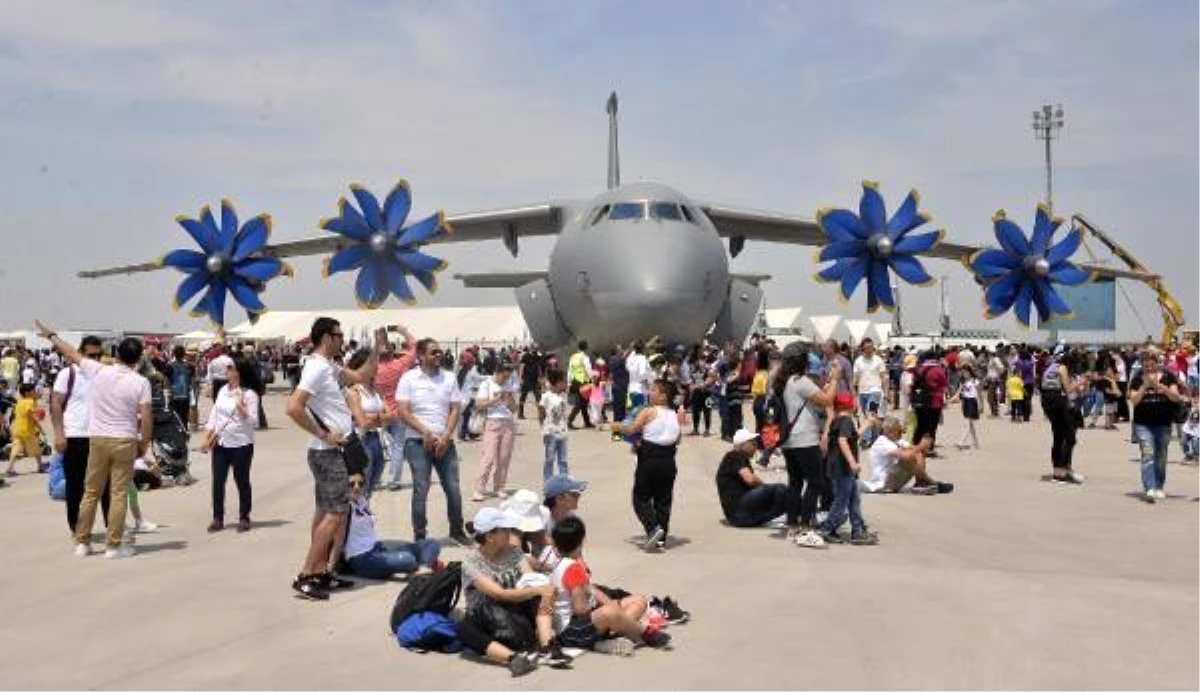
[310, 587]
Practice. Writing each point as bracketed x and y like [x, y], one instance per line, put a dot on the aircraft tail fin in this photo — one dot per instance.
[614, 156]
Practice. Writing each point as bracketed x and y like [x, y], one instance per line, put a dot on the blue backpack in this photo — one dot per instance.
[426, 631]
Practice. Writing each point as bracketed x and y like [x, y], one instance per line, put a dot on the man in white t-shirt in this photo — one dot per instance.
[893, 463]
[119, 428]
[640, 374]
[70, 413]
[429, 402]
[319, 407]
[870, 378]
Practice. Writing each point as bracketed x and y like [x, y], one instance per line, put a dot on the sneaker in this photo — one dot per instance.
[1069, 479]
[1151, 496]
[864, 538]
[1160, 494]
[656, 639]
[673, 613]
[944, 488]
[216, 525]
[82, 550]
[829, 537]
[553, 656]
[145, 527]
[617, 646]
[810, 539]
[310, 587]
[522, 664]
[243, 525]
[478, 497]
[1077, 478]
[923, 490]
[661, 545]
[462, 539]
[120, 552]
[654, 538]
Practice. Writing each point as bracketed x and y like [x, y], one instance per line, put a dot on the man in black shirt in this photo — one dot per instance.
[531, 366]
[1154, 394]
[745, 499]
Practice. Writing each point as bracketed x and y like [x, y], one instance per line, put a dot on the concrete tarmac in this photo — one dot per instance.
[1009, 582]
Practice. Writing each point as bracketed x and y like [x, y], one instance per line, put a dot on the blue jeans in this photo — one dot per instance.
[382, 561]
[846, 500]
[396, 436]
[1154, 441]
[865, 401]
[760, 505]
[556, 449]
[375, 460]
[423, 464]
[1191, 445]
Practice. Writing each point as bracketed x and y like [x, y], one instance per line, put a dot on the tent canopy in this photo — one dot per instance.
[448, 325]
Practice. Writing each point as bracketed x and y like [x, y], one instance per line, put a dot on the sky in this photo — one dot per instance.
[118, 116]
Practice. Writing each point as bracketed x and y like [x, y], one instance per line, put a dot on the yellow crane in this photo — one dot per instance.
[1172, 311]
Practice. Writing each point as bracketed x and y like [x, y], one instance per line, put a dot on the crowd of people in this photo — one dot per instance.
[845, 422]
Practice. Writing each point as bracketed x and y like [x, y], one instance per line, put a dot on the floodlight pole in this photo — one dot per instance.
[1046, 124]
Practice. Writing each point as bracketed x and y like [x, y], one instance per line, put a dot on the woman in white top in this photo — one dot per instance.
[230, 436]
[370, 417]
[654, 479]
[469, 379]
[497, 399]
[968, 394]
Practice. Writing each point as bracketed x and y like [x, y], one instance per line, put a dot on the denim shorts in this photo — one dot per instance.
[331, 482]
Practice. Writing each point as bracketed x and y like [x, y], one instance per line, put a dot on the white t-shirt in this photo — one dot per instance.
[431, 397]
[490, 390]
[639, 372]
[361, 537]
[117, 394]
[969, 389]
[78, 412]
[870, 373]
[882, 459]
[372, 404]
[216, 368]
[319, 380]
[231, 429]
[29, 375]
[555, 424]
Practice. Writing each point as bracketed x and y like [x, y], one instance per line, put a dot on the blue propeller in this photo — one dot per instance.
[383, 250]
[868, 244]
[1023, 272]
[228, 262]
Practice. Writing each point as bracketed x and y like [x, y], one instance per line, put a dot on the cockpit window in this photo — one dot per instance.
[627, 210]
[687, 214]
[667, 211]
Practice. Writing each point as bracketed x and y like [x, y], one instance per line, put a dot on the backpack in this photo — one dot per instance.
[435, 593]
[920, 396]
[426, 631]
[777, 427]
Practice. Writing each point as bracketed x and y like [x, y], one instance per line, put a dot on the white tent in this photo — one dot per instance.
[858, 329]
[783, 318]
[198, 336]
[454, 327]
[823, 326]
[883, 332]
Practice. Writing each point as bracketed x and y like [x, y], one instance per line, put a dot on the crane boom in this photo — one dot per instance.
[1172, 311]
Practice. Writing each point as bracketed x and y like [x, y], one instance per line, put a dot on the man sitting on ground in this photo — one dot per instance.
[894, 462]
[746, 500]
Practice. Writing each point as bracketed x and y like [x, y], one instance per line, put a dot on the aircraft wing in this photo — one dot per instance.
[741, 225]
[507, 225]
[499, 279]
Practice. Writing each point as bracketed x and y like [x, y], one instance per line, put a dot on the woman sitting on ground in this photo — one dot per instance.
[370, 558]
[505, 622]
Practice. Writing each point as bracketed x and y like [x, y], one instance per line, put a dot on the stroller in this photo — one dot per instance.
[169, 439]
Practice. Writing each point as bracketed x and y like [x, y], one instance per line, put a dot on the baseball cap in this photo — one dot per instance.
[844, 401]
[561, 485]
[489, 519]
[526, 506]
[742, 436]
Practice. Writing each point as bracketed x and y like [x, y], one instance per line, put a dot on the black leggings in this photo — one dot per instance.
[222, 459]
[518, 633]
[654, 486]
[806, 482]
[1062, 426]
[700, 408]
[928, 419]
[75, 460]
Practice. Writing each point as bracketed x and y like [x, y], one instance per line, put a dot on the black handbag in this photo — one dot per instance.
[354, 454]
